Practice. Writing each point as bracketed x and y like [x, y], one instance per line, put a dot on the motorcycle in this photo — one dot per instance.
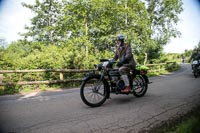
[196, 68]
[96, 87]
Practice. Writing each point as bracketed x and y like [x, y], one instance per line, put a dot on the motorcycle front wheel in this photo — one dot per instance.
[195, 74]
[93, 91]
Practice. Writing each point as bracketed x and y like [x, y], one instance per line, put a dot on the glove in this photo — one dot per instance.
[119, 64]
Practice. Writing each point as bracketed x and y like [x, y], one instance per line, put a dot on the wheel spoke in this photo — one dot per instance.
[138, 85]
[100, 94]
[93, 92]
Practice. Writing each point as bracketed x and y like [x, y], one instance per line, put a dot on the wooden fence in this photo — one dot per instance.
[159, 67]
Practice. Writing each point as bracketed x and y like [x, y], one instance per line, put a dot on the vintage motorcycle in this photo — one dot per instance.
[196, 68]
[96, 87]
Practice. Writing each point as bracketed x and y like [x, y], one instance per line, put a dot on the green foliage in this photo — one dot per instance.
[98, 21]
[35, 55]
[9, 89]
[172, 66]
[45, 23]
[169, 57]
[189, 126]
[142, 67]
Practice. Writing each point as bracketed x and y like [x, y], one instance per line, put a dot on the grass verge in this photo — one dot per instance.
[188, 123]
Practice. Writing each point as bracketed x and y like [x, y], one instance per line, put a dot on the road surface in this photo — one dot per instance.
[63, 111]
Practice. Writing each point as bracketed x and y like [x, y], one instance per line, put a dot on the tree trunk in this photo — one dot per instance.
[145, 58]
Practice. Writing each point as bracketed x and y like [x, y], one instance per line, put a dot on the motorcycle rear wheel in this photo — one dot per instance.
[139, 86]
[93, 91]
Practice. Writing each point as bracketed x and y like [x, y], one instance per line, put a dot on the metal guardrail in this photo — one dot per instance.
[61, 72]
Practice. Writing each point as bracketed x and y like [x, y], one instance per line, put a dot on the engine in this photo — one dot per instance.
[115, 76]
[116, 80]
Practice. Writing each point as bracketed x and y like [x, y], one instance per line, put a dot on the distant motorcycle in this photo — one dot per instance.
[96, 87]
[196, 68]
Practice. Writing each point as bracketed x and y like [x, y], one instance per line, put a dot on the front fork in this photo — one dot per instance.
[104, 79]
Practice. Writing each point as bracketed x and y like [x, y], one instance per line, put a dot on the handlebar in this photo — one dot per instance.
[103, 60]
[109, 60]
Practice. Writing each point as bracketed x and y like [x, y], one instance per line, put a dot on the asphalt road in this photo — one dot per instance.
[63, 111]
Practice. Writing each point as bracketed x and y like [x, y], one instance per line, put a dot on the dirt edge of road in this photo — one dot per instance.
[171, 124]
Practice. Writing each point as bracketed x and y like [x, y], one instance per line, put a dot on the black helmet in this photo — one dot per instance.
[195, 50]
[120, 37]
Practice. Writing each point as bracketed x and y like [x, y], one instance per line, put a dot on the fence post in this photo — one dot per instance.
[1, 78]
[61, 76]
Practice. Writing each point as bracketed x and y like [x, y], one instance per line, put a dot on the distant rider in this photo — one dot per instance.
[195, 55]
[126, 61]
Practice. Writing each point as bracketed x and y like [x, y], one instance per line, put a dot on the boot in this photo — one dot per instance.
[127, 89]
[126, 82]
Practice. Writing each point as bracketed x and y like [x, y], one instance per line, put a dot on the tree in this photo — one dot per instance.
[92, 25]
[198, 45]
[163, 17]
[45, 22]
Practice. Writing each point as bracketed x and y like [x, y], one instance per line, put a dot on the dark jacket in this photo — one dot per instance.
[195, 56]
[124, 54]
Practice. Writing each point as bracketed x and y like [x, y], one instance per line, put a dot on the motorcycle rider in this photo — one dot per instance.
[195, 55]
[126, 61]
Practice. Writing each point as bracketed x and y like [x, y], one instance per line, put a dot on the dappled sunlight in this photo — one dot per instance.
[30, 95]
[34, 95]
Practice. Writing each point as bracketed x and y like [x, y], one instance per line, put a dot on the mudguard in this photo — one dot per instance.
[146, 79]
[90, 75]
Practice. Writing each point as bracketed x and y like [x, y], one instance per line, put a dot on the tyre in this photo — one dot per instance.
[195, 73]
[139, 86]
[93, 91]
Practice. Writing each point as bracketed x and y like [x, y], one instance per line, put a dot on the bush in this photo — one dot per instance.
[172, 66]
